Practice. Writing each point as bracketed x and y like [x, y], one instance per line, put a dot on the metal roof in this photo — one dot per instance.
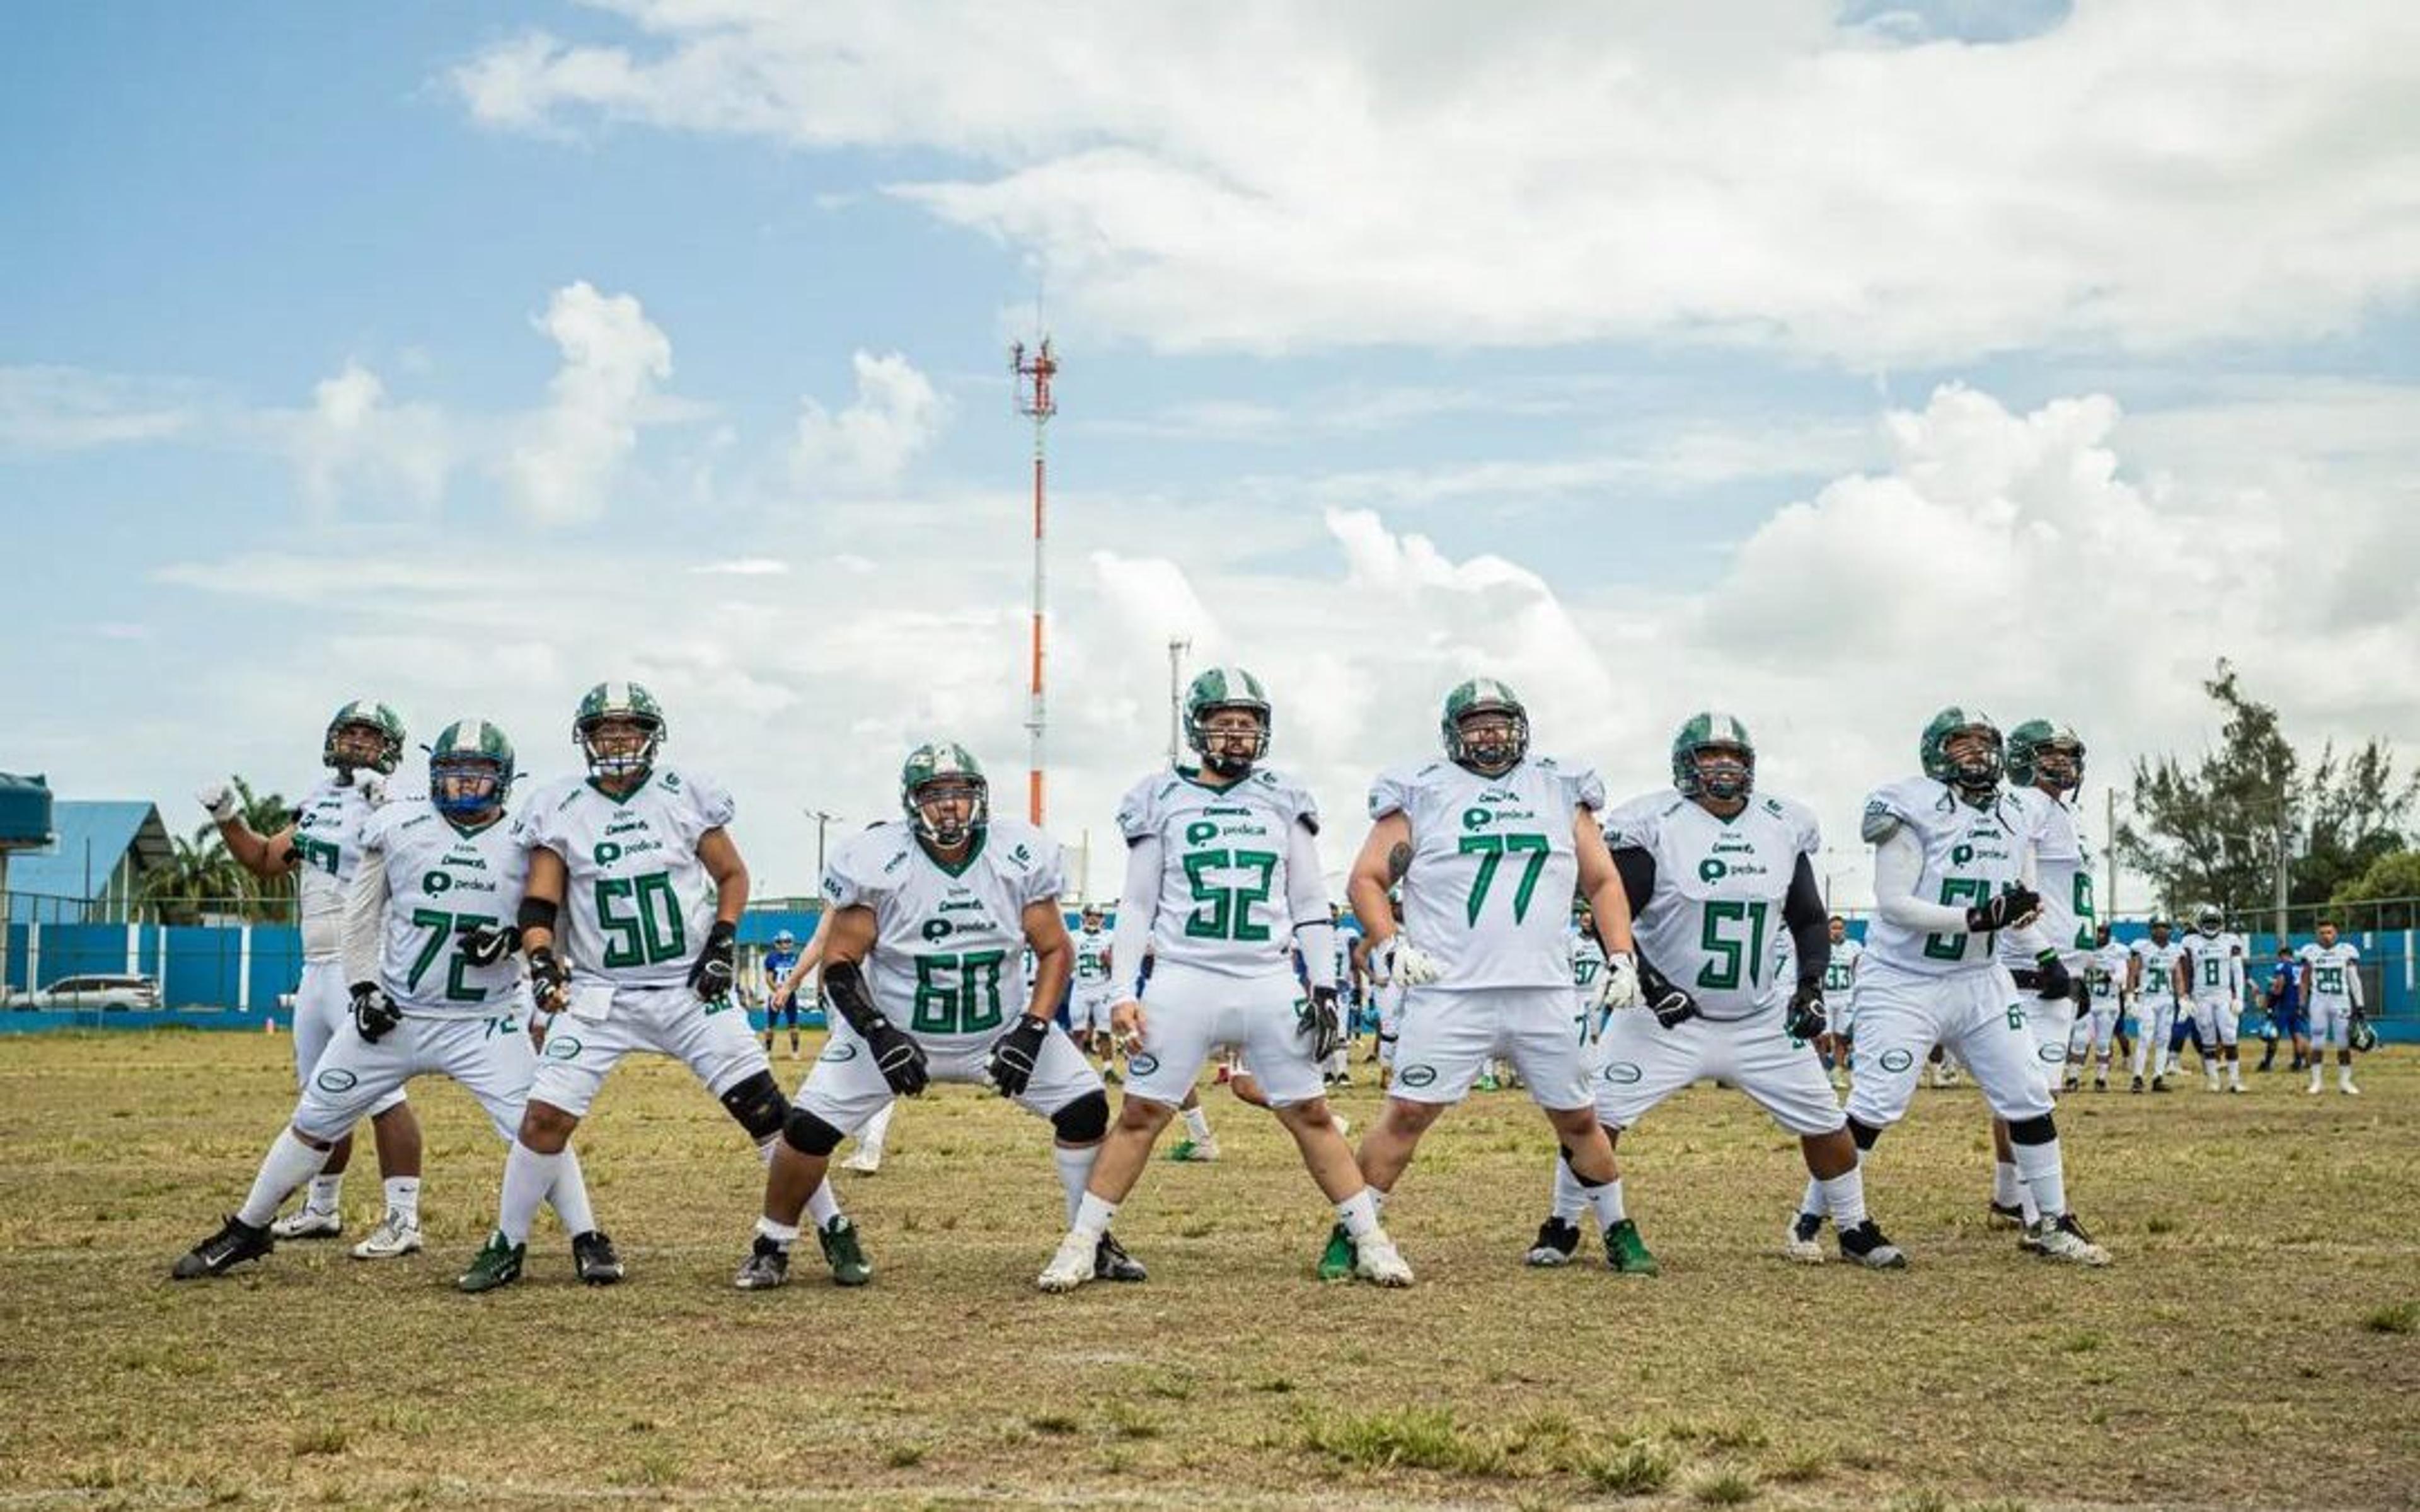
[92, 838]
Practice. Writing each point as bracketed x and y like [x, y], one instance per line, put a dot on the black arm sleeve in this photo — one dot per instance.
[845, 984]
[1637, 869]
[1809, 923]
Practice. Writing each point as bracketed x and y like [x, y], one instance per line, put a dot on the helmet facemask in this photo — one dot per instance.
[1229, 738]
[947, 809]
[1490, 738]
[468, 787]
[620, 746]
[1973, 753]
[1724, 772]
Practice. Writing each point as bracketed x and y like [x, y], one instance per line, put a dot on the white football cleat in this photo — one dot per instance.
[867, 1160]
[1376, 1260]
[1802, 1240]
[395, 1236]
[304, 1224]
[2065, 1239]
[1071, 1266]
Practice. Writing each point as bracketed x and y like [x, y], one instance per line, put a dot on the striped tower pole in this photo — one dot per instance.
[1035, 401]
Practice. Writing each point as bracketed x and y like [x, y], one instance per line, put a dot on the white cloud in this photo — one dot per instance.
[2138, 175]
[570, 452]
[353, 441]
[745, 568]
[896, 415]
[51, 408]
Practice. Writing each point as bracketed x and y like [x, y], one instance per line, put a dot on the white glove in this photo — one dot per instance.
[1414, 967]
[372, 783]
[220, 798]
[1620, 980]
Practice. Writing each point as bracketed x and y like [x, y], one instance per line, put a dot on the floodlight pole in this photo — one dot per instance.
[1177, 647]
[1034, 375]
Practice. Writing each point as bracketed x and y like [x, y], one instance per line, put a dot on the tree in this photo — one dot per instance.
[2393, 876]
[2357, 815]
[200, 876]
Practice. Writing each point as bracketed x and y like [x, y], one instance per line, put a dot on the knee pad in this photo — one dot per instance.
[810, 1136]
[757, 1106]
[1864, 1133]
[1084, 1120]
[2037, 1130]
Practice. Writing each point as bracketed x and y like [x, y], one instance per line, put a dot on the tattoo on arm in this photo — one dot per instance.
[1398, 861]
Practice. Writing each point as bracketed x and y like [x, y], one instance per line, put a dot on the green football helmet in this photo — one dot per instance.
[2360, 1037]
[2040, 751]
[1712, 731]
[372, 714]
[1485, 695]
[470, 770]
[1976, 777]
[2209, 921]
[944, 764]
[1224, 688]
[619, 700]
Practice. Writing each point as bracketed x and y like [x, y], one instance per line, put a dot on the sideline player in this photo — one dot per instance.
[781, 1007]
[1223, 880]
[2154, 973]
[1950, 849]
[1715, 874]
[927, 913]
[2287, 1011]
[364, 745]
[1088, 1009]
[1489, 844]
[2213, 966]
[635, 864]
[1840, 1040]
[2332, 990]
[2097, 1028]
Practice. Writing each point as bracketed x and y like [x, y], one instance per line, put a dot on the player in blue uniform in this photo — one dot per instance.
[781, 1005]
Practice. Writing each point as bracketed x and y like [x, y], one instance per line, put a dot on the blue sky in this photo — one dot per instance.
[467, 354]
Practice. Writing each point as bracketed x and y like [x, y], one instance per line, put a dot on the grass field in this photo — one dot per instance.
[2256, 1345]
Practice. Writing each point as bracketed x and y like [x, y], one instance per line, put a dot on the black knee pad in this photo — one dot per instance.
[1084, 1120]
[2038, 1130]
[810, 1136]
[758, 1106]
[1864, 1133]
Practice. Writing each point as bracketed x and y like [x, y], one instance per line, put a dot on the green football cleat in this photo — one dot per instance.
[1626, 1252]
[497, 1265]
[1194, 1152]
[842, 1251]
[1336, 1260]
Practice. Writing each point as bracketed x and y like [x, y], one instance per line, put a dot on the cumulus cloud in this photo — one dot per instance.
[896, 415]
[51, 408]
[353, 441]
[613, 358]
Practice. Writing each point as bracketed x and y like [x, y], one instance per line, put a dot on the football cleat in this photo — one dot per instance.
[866, 1162]
[2064, 1239]
[1801, 1242]
[497, 1264]
[1626, 1253]
[1195, 1149]
[2004, 1215]
[1556, 1242]
[768, 1266]
[842, 1251]
[1110, 1261]
[395, 1236]
[2159, 1084]
[1336, 1260]
[594, 1258]
[2137, 1086]
[2101, 1084]
[235, 1243]
[1376, 1260]
[1865, 1244]
[1071, 1265]
[303, 1223]
[2347, 1088]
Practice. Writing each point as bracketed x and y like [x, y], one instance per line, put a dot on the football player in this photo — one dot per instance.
[781, 1007]
[1088, 1012]
[426, 940]
[2331, 988]
[1951, 852]
[2096, 1030]
[2213, 968]
[364, 745]
[928, 912]
[1714, 873]
[2154, 975]
[1489, 844]
[634, 877]
[1841, 997]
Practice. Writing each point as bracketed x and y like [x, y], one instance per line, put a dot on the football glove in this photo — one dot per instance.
[1617, 984]
[1804, 1019]
[712, 974]
[1671, 1006]
[1414, 967]
[1013, 1055]
[374, 1013]
[2052, 979]
[1320, 1017]
[2012, 909]
[220, 799]
[549, 979]
[485, 943]
[899, 1058]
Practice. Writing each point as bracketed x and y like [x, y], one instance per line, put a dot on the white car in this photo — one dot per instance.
[103, 991]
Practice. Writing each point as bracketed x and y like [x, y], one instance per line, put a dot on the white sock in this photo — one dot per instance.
[403, 1198]
[783, 1234]
[1571, 1199]
[2344, 1074]
[822, 1206]
[2316, 1070]
[2006, 1189]
[288, 1163]
[1359, 1213]
[1844, 1197]
[2044, 1170]
[1377, 1196]
[1092, 1216]
[1075, 1169]
[1606, 1199]
[568, 1196]
[1197, 1124]
[528, 1177]
[2235, 1072]
[327, 1194]
[1813, 1200]
[877, 1130]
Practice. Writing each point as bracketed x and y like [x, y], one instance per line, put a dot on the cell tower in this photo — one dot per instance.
[1033, 373]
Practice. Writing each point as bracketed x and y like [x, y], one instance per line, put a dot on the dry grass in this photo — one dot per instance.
[2262, 1301]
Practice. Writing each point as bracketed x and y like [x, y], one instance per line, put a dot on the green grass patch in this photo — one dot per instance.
[1412, 1438]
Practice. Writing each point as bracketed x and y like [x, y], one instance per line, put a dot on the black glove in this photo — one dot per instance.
[2052, 979]
[899, 1058]
[1671, 1006]
[374, 1013]
[550, 979]
[1805, 1018]
[2081, 992]
[713, 974]
[1322, 1017]
[2005, 910]
[485, 943]
[1015, 1053]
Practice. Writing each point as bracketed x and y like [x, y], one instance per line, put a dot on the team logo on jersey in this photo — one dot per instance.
[1961, 855]
[1417, 1075]
[562, 1047]
[1897, 1060]
[1476, 818]
[1201, 832]
[1711, 869]
[1623, 1074]
[937, 928]
[1142, 1065]
[2051, 1055]
[607, 853]
[838, 1051]
[336, 1079]
[435, 882]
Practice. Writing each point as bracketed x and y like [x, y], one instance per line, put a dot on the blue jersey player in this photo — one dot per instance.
[781, 1002]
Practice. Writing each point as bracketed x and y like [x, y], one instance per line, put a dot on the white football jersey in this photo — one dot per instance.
[328, 845]
[2159, 967]
[439, 880]
[1720, 884]
[637, 902]
[2216, 964]
[944, 965]
[1840, 972]
[2063, 876]
[1970, 854]
[1587, 960]
[1494, 870]
[2332, 968]
[2104, 971]
[1222, 884]
[1092, 960]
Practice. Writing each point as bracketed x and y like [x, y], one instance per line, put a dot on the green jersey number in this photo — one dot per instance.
[2327, 982]
[1729, 956]
[1973, 892]
[650, 932]
[320, 853]
[1223, 913]
[2084, 916]
[958, 993]
[441, 928]
[2211, 967]
[1491, 851]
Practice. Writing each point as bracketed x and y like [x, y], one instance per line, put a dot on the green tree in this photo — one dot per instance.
[199, 877]
[2391, 882]
[2357, 814]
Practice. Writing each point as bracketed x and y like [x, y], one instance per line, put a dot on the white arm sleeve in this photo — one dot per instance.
[1314, 930]
[1135, 910]
[365, 918]
[2352, 982]
[1898, 861]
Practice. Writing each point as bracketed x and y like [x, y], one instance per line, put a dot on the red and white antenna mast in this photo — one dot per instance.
[1033, 373]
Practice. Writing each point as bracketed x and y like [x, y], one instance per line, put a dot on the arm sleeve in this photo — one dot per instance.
[1636, 868]
[1810, 923]
[2352, 979]
[364, 914]
[1899, 860]
[1314, 931]
[1136, 906]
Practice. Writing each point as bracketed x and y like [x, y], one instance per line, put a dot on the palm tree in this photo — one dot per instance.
[199, 873]
[268, 813]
